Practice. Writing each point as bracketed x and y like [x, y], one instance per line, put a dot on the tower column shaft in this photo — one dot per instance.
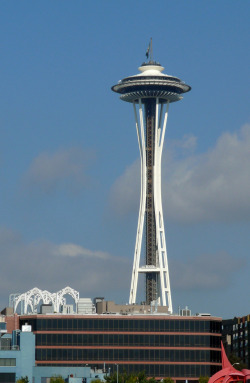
[150, 212]
[151, 278]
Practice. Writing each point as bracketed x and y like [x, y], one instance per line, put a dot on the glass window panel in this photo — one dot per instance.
[141, 325]
[65, 324]
[162, 325]
[186, 324]
[120, 340]
[207, 326]
[151, 325]
[157, 325]
[111, 324]
[202, 326]
[157, 340]
[127, 325]
[115, 328]
[59, 324]
[172, 326]
[105, 324]
[121, 325]
[7, 362]
[182, 325]
[70, 324]
[197, 326]
[167, 325]
[115, 339]
[191, 326]
[105, 340]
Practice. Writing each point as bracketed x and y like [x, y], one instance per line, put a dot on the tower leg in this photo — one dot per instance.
[139, 234]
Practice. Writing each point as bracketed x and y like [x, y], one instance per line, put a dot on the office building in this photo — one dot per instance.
[236, 338]
[162, 346]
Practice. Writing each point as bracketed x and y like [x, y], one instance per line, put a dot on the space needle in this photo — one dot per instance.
[151, 92]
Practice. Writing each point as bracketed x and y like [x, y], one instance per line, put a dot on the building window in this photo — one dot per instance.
[6, 362]
[7, 377]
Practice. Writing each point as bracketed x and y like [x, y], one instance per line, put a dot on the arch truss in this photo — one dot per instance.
[33, 297]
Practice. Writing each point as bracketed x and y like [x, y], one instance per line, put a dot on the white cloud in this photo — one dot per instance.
[65, 167]
[72, 250]
[212, 186]
[53, 266]
[206, 272]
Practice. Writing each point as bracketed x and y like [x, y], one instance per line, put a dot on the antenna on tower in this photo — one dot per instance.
[149, 52]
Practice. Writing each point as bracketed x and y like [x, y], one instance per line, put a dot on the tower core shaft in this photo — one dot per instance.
[151, 92]
[151, 248]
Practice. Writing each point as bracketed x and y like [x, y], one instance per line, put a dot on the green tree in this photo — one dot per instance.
[141, 377]
[57, 379]
[23, 379]
[167, 380]
[237, 362]
[203, 379]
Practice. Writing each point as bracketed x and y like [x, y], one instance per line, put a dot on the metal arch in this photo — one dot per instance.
[32, 298]
[59, 297]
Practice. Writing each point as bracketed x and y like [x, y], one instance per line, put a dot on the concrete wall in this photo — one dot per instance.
[112, 307]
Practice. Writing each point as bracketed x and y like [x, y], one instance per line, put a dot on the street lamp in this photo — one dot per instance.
[117, 365]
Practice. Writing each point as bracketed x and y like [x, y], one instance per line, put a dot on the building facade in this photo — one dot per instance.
[236, 338]
[183, 348]
[17, 359]
[17, 356]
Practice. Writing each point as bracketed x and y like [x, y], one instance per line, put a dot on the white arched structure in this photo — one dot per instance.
[59, 299]
[33, 297]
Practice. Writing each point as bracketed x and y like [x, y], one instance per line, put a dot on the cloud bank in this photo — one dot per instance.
[53, 266]
[63, 168]
[212, 186]
[205, 272]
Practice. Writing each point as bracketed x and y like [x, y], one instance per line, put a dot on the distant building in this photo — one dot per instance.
[236, 337]
[103, 307]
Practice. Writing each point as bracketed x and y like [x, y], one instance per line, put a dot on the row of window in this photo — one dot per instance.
[159, 370]
[129, 340]
[164, 78]
[150, 325]
[7, 377]
[7, 362]
[240, 325]
[240, 335]
[129, 355]
[149, 87]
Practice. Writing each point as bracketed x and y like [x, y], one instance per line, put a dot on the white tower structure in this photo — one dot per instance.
[151, 91]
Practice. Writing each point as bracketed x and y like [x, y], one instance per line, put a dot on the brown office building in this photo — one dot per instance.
[161, 345]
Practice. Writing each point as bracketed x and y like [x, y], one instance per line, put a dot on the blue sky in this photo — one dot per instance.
[69, 170]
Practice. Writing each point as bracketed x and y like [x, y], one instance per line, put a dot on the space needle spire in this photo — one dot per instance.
[151, 92]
